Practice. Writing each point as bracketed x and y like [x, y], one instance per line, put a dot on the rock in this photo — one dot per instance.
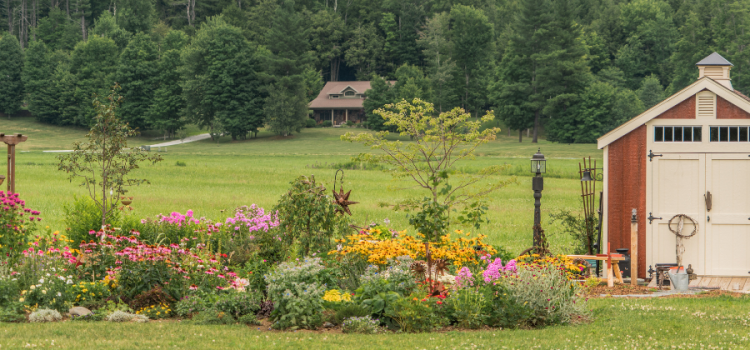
[79, 311]
[328, 325]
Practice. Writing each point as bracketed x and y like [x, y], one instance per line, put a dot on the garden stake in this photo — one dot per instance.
[342, 199]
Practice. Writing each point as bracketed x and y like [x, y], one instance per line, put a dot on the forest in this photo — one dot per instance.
[573, 68]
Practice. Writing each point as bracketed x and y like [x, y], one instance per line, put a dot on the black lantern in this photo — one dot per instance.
[538, 166]
[538, 163]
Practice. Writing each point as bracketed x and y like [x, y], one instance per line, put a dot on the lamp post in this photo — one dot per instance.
[539, 167]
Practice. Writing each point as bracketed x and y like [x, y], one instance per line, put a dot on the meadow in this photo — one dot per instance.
[221, 176]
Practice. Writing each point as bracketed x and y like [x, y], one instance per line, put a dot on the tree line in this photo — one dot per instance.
[575, 68]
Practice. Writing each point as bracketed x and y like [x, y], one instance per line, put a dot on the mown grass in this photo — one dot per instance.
[690, 323]
[224, 175]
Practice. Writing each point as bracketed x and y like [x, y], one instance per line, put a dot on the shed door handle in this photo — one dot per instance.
[709, 200]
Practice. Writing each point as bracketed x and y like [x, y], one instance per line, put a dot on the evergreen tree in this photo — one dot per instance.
[136, 74]
[327, 40]
[363, 50]
[11, 69]
[440, 68]
[37, 74]
[106, 26]
[135, 15]
[651, 92]
[692, 47]
[94, 63]
[472, 38]
[57, 31]
[220, 83]
[287, 40]
[517, 94]
[381, 93]
[168, 102]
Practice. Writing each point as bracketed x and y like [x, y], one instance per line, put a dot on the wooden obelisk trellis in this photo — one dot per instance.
[588, 195]
[12, 141]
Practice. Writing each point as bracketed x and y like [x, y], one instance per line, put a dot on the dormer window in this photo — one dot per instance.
[349, 94]
[334, 96]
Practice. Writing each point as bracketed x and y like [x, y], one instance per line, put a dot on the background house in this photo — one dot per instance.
[340, 101]
[671, 159]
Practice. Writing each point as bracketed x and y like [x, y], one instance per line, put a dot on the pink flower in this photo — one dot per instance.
[219, 287]
[193, 287]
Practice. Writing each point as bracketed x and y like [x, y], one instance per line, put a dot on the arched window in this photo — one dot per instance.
[349, 93]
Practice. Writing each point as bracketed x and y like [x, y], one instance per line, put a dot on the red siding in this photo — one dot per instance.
[726, 110]
[627, 190]
[683, 110]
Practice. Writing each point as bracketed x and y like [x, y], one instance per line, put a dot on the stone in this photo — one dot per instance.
[328, 325]
[79, 311]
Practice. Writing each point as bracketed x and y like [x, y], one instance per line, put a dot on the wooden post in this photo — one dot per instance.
[12, 141]
[332, 122]
[610, 273]
[634, 249]
[347, 115]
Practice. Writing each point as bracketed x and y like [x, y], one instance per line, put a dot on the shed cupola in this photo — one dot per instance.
[717, 68]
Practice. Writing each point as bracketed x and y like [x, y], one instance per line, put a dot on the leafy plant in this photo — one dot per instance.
[84, 215]
[16, 223]
[105, 161]
[415, 314]
[349, 310]
[468, 306]
[309, 217]
[213, 317]
[238, 304]
[192, 304]
[297, 290]
[45, 315]
[362, 325]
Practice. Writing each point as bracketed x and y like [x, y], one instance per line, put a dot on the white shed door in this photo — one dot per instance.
[678, 185]
[728, 226]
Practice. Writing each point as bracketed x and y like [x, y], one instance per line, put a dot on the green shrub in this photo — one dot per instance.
[180, 163]
[310, 123]
[468, 307]
[249, 319]
[503, 309]
[362, 325]
[350, 123]
[349, 310]
[416, 314]
[326, 124]
[238, 304]
[546, 290]
[213, 317]
[82, 216]
[9, 291]
[192, 304]
[297, 291]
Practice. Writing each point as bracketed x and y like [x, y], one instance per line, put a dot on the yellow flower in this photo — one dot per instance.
[20, 300]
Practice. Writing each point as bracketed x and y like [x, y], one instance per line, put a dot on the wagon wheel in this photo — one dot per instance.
[586, 263]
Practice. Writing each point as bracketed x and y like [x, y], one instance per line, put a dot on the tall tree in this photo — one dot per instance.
[38, 71]
[472, 36]
[651, 91]
[136, 74]
[437, 48]
[220, 83]
[363, 50]
[106, 26]
[167, 110]
[381, 93]
[57, 31]
[286, 105]
[518, 94]
[327, 40]
[11, 70]
[82, 14]
[135, 15]
[94, 64]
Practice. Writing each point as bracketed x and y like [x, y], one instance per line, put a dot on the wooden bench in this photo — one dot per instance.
[612, 271]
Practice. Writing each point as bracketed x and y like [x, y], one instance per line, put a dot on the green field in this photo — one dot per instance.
[229, 174]
[705, 323]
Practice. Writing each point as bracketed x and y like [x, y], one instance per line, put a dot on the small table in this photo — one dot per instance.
[612, 271]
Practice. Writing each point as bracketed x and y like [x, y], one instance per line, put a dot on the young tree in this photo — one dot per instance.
[11, 69]
[104, 162]
[381, 93]
[137, 73]
[220, 83]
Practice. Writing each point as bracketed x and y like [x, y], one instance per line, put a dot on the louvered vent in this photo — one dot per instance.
[714, 73]
[706, 105]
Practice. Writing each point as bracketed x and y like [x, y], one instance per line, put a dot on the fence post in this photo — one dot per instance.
[634, 249]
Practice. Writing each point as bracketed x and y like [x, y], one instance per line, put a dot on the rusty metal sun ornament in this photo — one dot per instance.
[342, 199]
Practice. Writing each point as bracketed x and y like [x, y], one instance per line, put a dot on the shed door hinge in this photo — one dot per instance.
[651, 156]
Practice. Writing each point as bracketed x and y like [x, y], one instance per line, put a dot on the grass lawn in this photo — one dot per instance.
[675, 323]
[224, 175]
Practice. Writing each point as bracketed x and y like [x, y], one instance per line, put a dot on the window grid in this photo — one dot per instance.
[729, 134]
[678, 133]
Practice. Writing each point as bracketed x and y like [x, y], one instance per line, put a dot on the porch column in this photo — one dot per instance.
[332, 122]
[347, 115]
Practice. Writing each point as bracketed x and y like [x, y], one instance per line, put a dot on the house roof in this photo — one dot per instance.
[338, 87]
[732, 96]
[714, 59]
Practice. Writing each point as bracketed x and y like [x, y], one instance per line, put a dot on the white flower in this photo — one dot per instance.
[69, 282]
[61, 278]
[41, 280]
[48, 275]
[32, 287]
[59, 294]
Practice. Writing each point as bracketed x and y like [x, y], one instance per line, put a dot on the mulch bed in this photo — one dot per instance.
[618, 289]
